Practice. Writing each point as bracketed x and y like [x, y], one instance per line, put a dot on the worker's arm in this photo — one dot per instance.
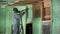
[24, 11]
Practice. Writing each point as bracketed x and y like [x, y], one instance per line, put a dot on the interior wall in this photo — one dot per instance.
[55, 16]
[37, 26]
[37, 18]
[6, 18]
[2, 21]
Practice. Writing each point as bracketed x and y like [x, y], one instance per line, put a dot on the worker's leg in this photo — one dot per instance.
[15, 28]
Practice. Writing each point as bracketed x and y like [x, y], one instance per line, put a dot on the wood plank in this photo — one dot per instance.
[24, 2]
[47, 3]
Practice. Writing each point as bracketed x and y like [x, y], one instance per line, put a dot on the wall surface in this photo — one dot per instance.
[6, 18]
[37, 26]
[2, 21]
[55, 17]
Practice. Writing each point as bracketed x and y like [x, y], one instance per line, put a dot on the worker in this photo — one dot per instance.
[16, 18]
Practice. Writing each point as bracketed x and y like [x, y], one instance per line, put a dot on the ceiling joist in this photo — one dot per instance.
[22, 3]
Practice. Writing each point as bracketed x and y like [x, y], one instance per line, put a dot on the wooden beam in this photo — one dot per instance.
[23, 3]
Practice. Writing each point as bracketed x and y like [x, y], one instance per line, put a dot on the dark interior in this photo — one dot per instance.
[46, 29]
[29, 28]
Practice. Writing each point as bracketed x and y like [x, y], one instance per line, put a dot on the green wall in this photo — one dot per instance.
[2, 21]
[6, 18]
[37, 26]
[55, 17]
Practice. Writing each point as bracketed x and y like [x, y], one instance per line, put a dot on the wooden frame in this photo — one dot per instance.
[39, 7]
